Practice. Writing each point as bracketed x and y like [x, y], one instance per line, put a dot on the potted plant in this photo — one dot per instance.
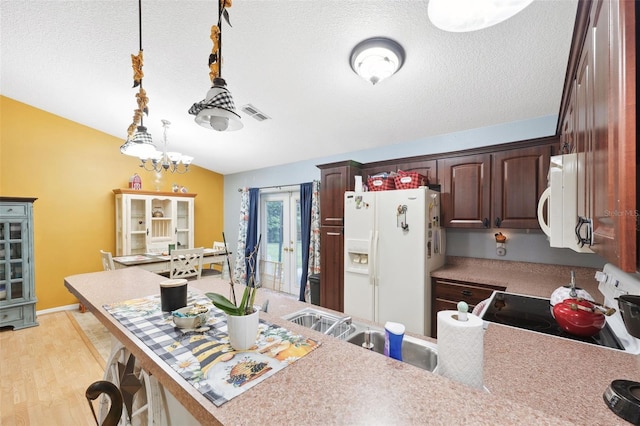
[242, 319]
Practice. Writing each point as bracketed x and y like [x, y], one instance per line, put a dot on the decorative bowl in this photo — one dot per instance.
[190, 316]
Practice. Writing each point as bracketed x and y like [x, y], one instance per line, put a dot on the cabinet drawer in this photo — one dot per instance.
[13, 210]
[11, 314]
[456, 292]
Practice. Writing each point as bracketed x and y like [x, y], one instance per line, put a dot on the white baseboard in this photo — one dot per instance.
[74, 307]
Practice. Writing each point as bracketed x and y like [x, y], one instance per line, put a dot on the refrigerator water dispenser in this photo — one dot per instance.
[357, 256]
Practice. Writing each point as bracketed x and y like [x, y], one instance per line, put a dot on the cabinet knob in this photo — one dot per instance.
[467, 293]
[485, 222]
[498, 222]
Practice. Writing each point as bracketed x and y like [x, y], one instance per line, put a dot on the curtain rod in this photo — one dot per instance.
[276, 186]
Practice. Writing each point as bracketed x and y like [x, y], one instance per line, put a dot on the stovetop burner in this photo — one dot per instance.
[534, 314]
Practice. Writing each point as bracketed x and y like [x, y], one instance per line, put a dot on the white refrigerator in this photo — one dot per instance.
[392, 242]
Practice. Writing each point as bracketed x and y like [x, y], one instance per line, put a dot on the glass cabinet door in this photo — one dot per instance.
[138, 225]
[183, 224]
[13, 256]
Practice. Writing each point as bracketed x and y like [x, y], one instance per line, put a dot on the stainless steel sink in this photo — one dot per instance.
[324, 322]
[419, 353]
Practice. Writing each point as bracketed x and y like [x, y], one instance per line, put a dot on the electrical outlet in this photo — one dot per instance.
[501, 249]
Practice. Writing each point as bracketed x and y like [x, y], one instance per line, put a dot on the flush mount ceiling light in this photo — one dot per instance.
[217, 111]
[472, 15]
[377, 58]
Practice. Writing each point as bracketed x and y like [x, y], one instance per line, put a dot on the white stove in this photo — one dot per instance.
[533, 314]
[613, 282]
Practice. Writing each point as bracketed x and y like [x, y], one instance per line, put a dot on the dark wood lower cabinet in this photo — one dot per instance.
[332, 259]
[447, 293]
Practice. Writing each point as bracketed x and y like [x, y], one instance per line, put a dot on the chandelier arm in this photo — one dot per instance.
[143, 164]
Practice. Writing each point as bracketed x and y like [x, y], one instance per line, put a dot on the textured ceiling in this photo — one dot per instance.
[288, 58]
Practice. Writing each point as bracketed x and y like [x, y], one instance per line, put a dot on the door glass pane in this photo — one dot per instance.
[15, 231]
[16, 290]
[138, 219]
[299, 248]
[15, 251]
[274, 230]
[16, 270]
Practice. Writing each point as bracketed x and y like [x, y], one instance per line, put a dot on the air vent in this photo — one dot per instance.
[255, 112]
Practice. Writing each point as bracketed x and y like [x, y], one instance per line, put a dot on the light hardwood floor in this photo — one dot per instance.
[44, 372]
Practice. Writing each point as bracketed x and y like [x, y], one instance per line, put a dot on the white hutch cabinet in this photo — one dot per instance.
[17, 284]
[149, 221]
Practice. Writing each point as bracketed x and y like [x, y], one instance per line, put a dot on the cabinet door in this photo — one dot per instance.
[332, 274]
[136, 229]
[466, 187]
[14, 261]
[583, 131]
[334, 181]
[426, 168]
[518, 178]
[183, 223]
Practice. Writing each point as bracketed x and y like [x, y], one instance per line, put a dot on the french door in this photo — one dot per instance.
[280, 251]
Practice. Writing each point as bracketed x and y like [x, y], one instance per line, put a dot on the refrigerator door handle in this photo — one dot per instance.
[371, 258]
[374, 258]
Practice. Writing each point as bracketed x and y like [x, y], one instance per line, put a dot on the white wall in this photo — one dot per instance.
[522, 245]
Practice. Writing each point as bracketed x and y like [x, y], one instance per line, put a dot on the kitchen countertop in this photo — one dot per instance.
[532, 378]
[534, 279]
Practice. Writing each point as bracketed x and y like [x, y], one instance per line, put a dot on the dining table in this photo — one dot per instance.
[160, 263]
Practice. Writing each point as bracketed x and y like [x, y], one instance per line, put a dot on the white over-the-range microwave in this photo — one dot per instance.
[560, 220]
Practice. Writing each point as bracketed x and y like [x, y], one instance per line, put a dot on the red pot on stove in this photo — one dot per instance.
[579, 317]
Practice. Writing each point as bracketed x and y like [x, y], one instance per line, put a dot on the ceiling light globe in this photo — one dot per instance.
[472, 15]
[376, 59]
[376, 64]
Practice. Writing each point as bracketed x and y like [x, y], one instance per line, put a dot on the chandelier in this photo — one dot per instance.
[217, 111]
[164, 160]
[139, 142]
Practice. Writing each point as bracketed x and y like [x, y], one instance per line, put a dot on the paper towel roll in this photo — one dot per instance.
[461, 348]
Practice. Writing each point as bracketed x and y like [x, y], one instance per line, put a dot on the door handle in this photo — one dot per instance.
[485, 222]
[498, 222]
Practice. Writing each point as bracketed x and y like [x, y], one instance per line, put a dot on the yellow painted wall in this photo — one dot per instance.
[72, 170]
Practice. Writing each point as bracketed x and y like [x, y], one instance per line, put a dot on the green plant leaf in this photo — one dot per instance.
[221, 302]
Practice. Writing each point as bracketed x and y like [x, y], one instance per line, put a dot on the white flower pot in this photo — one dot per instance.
[243, 330]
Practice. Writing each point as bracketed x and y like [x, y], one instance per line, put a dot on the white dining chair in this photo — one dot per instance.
[186, 263]
[218, 246]
[107, 260]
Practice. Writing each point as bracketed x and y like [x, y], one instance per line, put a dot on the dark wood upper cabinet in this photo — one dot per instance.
[496, 190]
[466, 191]
[518, 179]
[335, 179]
[426, 167]
[598, 122]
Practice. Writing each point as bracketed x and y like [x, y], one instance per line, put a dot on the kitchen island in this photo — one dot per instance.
[532, 379]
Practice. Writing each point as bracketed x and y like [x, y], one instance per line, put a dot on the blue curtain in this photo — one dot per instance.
[306, 195]
[252, 232]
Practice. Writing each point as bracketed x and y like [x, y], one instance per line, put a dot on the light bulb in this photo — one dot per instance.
[219, 123]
